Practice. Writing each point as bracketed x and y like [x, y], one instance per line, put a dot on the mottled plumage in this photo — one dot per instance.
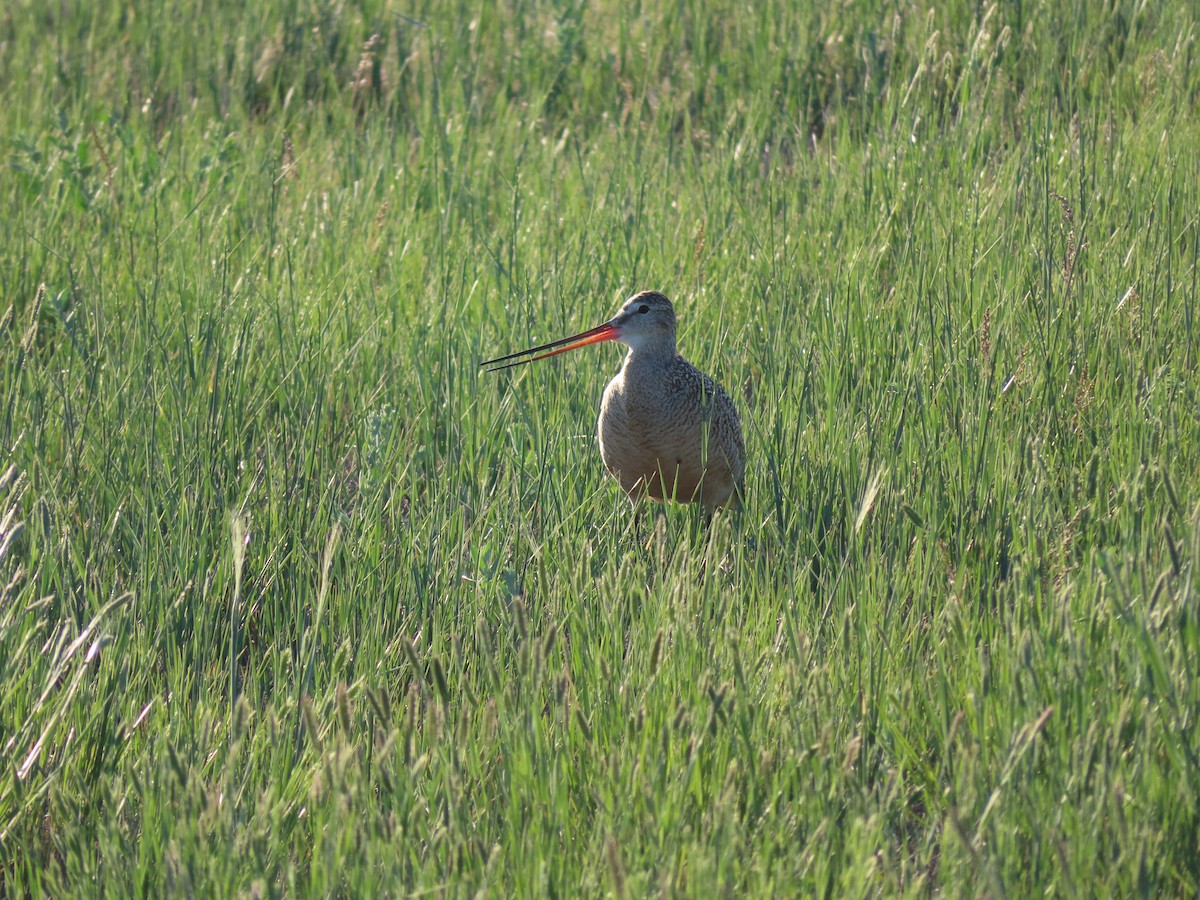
[666, 430]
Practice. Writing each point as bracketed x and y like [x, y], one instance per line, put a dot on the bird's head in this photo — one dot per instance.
[646, 319]
[645, 324]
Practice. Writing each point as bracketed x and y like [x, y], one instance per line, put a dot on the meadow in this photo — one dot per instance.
[295, 600]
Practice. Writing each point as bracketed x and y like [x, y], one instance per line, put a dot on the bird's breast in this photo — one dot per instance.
[651, 438]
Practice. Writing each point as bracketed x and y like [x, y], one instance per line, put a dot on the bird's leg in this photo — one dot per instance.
[715, 533]
[621, 524]
[715, 540]
[639, 500]
[638, 513]
[658, 524]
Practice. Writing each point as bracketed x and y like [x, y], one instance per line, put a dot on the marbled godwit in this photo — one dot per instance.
[666, 429]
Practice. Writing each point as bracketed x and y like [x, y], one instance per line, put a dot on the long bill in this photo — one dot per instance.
[605, 332]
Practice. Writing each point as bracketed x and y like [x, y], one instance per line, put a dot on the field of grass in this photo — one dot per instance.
[294, 599]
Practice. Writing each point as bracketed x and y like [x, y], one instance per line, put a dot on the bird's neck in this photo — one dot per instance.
[649, 356]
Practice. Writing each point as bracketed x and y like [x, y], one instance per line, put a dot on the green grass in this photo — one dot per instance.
[294, 599]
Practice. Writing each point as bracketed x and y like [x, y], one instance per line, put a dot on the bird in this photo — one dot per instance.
[666, 430]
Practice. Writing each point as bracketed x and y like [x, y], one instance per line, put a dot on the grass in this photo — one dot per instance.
[296, 600]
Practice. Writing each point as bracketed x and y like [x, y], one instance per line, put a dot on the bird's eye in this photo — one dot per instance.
[643, 308]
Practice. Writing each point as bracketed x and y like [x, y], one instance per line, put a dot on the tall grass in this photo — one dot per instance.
[296, 600]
